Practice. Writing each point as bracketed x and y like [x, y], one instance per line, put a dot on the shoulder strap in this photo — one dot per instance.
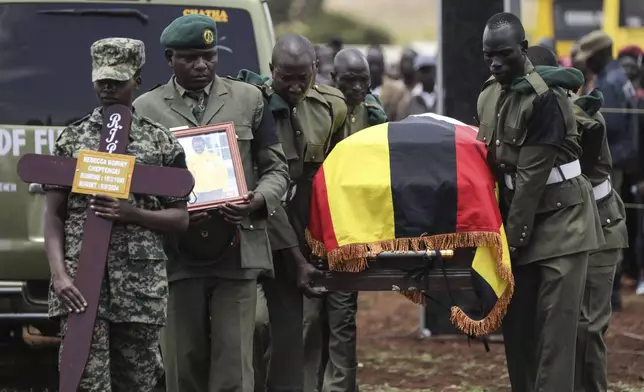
[156, 87]
[80, 120]
[490, 81]
[152, 122]
[329, 91]
[537, 83]
[336, 101]
[375, 112]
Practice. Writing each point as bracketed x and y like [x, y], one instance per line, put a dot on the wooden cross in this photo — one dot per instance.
[147, 180]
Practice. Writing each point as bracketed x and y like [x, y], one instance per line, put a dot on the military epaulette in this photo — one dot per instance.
[491, 80]
[372, 100]
[81, 120]
[328, 90]
[375, 112]
[69, 127]
[237, 79]
[152, 122]
[536, 81]
[243, 78]
[156, 87]
[275, 102]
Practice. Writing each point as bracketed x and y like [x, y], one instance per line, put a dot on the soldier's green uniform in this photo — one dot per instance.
[261, 341]
[337, 310]
[213, 268]
[596, 163]
[551, 219]
[124, 354]
[305, 132]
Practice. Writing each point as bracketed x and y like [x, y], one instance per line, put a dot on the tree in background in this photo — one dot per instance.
[308, 17]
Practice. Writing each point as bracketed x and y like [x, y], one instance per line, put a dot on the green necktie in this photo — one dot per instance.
[200, 107]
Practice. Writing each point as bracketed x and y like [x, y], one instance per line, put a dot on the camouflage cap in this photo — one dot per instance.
[191, 31]
[116, 58]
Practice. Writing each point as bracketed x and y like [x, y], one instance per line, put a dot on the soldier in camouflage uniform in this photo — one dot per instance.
[124, 354]
[336, 311]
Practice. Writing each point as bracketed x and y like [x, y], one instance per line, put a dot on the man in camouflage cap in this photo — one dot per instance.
[213, 268]
[124, 354]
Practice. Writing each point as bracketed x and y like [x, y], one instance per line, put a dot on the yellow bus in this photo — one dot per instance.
[568, 20]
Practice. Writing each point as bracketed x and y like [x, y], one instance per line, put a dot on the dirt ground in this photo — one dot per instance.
[393, 358]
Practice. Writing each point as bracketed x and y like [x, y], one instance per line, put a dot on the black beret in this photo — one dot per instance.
[191, 31]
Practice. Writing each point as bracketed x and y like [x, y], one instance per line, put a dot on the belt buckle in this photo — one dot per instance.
[513, 181]
[290, 193]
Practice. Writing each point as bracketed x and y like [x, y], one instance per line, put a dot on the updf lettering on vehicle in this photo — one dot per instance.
[24, 271]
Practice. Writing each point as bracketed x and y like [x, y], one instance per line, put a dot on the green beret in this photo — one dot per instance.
[191, 31]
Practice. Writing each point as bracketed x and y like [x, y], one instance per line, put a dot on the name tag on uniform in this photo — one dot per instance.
[181, 128]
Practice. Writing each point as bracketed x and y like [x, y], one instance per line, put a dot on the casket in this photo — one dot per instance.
[427, 271]
[411, 206]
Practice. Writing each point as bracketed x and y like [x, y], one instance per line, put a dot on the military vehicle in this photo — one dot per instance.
[45, 84]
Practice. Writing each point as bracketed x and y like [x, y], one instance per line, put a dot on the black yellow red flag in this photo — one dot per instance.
[421, 183]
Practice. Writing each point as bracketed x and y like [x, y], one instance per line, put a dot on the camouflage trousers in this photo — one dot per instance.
[124, 357]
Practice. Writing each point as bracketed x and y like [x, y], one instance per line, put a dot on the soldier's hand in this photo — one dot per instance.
[514, 254]
[306, 274]
[68, 293]
[236, 212]
[198, 217]
[111, 208]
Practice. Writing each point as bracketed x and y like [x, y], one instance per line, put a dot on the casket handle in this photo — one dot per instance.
[446, 254]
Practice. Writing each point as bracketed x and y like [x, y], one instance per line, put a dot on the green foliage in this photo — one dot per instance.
[279, 10]
[326, 25]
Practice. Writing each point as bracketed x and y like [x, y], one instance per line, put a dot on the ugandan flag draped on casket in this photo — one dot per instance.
[421, 183]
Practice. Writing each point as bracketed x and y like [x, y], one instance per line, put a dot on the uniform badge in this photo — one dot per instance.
[208, 36]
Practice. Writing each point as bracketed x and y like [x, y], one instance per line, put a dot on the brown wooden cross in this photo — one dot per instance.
[147, 180]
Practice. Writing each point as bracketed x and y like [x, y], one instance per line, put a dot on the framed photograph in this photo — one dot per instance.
[213, 158]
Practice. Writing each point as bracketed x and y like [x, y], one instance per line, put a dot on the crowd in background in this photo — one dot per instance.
[621, 81]
[409, 88]
[406, 88]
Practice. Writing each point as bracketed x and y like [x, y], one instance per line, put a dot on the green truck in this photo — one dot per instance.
[45, 84]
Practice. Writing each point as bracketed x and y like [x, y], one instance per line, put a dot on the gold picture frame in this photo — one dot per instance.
[213, 158]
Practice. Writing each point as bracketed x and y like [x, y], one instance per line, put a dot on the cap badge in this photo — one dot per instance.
[208, 37]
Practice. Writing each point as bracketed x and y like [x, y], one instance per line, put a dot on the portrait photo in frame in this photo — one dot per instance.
[213, 159]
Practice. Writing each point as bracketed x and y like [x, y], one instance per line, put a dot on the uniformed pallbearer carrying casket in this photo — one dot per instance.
[591, 374]
[550, 215]
[306, 116]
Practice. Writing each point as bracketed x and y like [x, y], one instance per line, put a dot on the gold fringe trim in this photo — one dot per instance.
[317, 247]
[354, 258]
